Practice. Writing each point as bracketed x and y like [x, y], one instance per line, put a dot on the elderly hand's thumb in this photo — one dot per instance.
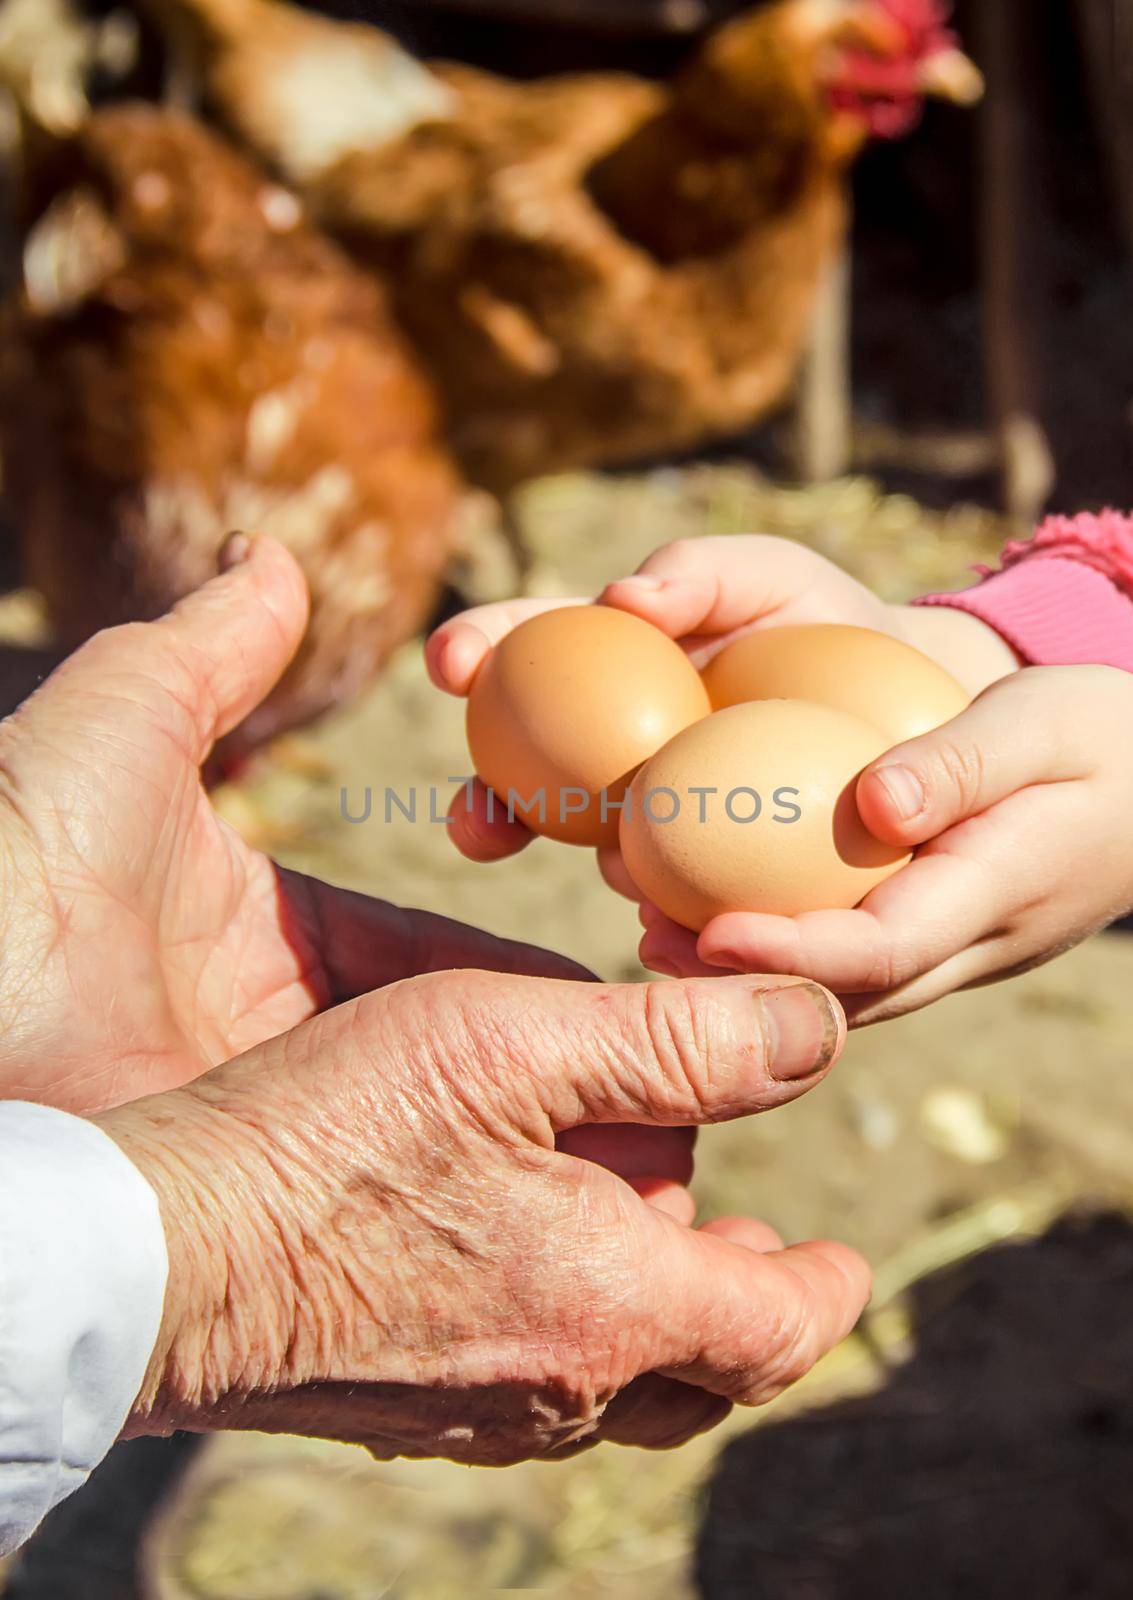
[670, 1054]
[238, 633]
[205, 666]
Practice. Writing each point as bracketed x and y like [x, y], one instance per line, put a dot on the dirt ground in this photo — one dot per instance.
[972, 1437]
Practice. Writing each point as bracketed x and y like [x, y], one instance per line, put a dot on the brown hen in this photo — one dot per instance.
[189, 356]
[598, 269]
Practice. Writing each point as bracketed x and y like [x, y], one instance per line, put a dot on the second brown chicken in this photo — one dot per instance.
[188, 356]
[596, 268]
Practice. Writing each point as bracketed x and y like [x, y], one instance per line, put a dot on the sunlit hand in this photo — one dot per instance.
[704, 593]
[1023, 809]
[373, 1237]
[142, 940]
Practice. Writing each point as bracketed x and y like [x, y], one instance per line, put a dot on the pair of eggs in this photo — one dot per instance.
[727, 790]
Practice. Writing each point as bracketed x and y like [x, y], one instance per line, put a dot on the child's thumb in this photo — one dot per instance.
[914, 793]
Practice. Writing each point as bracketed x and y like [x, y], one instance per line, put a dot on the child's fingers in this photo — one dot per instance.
[1003, 954]
[669, 949]
[454, 652]
[611, 865]
[480, 828]
[1020, 732]
[934, 908]
[979, 964]
[715, 585]
[676, 603]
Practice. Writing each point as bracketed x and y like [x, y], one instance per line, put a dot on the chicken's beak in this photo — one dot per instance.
[951, 75]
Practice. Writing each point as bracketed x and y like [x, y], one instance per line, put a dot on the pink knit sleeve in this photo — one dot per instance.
[1062, 598]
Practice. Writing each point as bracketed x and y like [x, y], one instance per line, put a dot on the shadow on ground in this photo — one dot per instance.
[87, 1549]
[998, 1461]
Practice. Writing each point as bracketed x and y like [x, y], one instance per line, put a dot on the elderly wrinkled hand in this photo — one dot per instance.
[377, 1234]
[448, 1216]
[143, 941]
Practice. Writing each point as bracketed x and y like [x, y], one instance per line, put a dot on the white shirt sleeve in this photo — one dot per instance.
[82, 1283]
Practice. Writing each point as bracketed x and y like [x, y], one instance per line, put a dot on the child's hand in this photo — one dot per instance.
[703, 593]
[1024, 806]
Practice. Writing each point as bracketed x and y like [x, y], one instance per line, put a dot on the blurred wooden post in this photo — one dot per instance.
[823, 421]
[1106, 28]
[1009, 263]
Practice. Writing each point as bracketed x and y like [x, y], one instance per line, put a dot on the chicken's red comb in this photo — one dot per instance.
[887, 92]
[924, 21]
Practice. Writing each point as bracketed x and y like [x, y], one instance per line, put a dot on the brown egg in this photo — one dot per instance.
[779, 831]
[868, 674]
[568, 706]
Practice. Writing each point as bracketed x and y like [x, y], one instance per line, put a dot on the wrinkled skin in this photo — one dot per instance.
[374, 1238]
[143, 941]
[379, 1224]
